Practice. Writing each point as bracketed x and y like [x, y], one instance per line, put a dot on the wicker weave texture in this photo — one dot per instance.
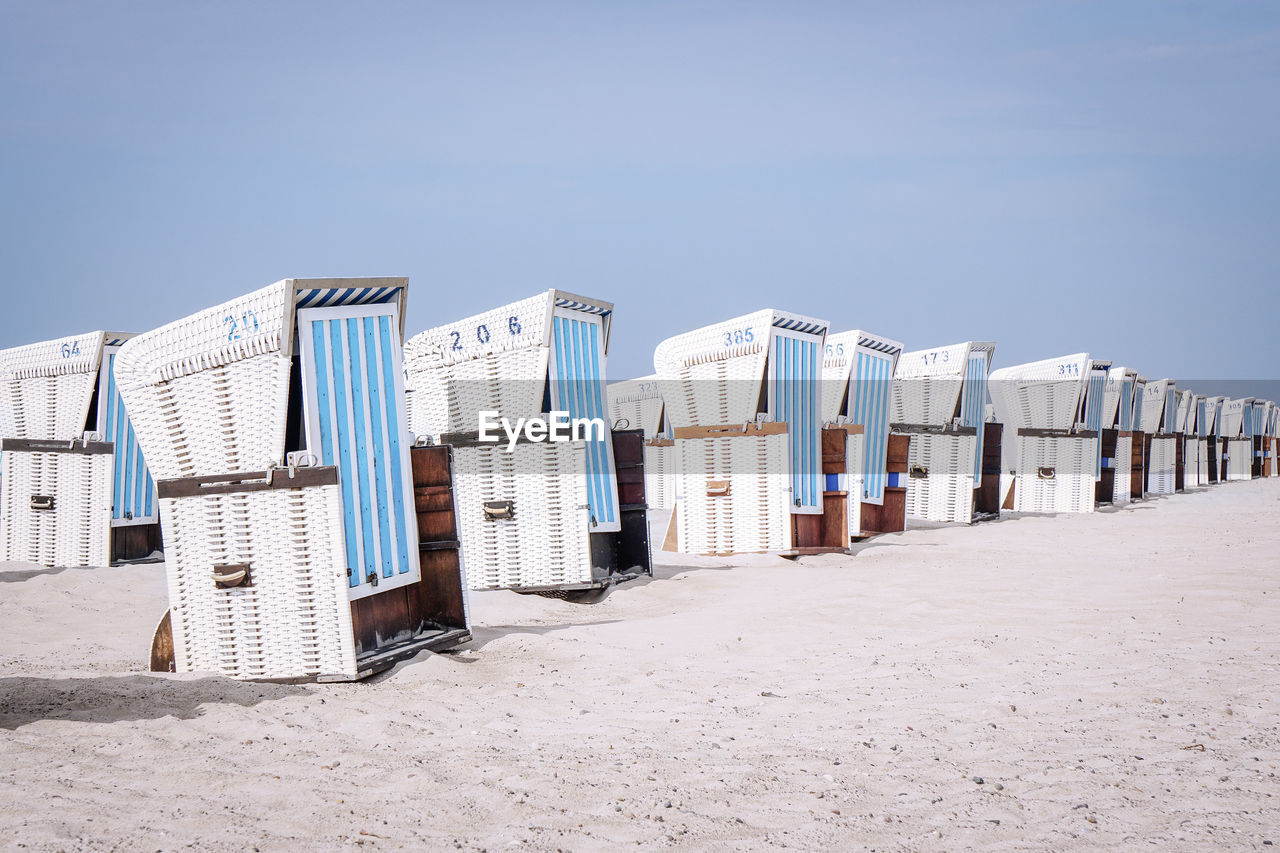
[1195, 471]
[754, 515]
[46, 388]
[76, 533]
[202, 404]
[516, 326]
[1070, 488]
[853, 480]
[945, 493]
[660, 467]
[1121, 490]
[546, 542]
[1161, 467]
[447, 396]
[636, 404]
[1041, 394]
[927, 385]
[293, 620]
[1153, 415]
[1240, 459]
[712, 375]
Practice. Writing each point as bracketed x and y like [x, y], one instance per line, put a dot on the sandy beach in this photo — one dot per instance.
[1036, 683]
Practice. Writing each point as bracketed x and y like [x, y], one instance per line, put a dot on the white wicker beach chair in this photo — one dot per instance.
[637, 403]
[743, 398]
[857, 388]
[1159, 421]
[74, 489]
[1210, 429]
[1237, 436]
[288, 485]
[544, 516]
[1056, 455]
[1116, 437]
[938, 399]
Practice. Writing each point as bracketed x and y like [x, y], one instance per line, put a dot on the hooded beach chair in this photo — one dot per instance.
[1185, 423]
[75, 490]
[1159, 420]
[1262, 438]
[857, 392]
[1237, 439]
[637, 404]
[535, 515]
[1201, 439]
[1215, 473]
[939, 398]
[1269, 430]
[1138, 461]
[757, 471]
[308, 538]
[1056, 456]
[1116, 438]
[1191, 419]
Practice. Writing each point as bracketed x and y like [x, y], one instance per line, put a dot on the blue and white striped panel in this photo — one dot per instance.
[1093, 411]
[1246, 421]
[1126, 405]
[356, 422]
[134, 496]
[795, 371]
[1138, 394]
[1170, 409]
[578, 388]
[973, 398]
[870, 407]
[1202, 423]
[333, 297]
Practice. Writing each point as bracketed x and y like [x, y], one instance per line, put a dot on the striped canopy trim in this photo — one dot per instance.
[879, 345]
[807, 327]
[588, 307]
[331, 297]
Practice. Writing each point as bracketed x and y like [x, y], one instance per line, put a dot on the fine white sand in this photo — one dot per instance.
[1054, 682]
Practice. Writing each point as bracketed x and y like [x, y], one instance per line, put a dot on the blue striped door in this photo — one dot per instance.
[1126, 405]
[353, 396]
[795, 367]
[973, 400]
[577, 387]
[869, 406]
[133, 499]
[1093, 412]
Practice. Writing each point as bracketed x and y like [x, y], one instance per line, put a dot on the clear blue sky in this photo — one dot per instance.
[1057, 177]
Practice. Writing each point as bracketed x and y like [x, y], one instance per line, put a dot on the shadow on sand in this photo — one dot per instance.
[28, 574]
[108, 699]
[482, 635]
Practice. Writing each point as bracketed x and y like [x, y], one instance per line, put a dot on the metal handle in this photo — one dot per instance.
[918, 472]
[1046, 473]
[494, 510]
[717, 488]
[227, 577]
[42, 502]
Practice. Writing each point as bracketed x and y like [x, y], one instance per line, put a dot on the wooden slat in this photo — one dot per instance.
[731, 430]
[435, 602]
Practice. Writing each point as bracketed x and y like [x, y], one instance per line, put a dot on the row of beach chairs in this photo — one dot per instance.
[326, 492]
